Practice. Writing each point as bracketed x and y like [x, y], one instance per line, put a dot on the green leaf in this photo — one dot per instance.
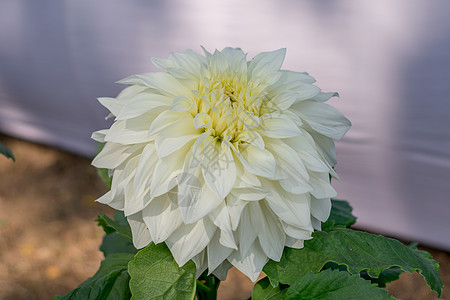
[358, 251]
[155, 275]
[118, 234]
[104, 176]
[116, 243]
[340, 216]
[119, 224]
[110, 281]
[386, 276]
[328, 285]
[6, 152]
[262, 290]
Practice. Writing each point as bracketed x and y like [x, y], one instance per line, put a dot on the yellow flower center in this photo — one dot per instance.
[228, 106]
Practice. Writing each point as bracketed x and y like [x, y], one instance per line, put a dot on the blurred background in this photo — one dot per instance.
[389, 61]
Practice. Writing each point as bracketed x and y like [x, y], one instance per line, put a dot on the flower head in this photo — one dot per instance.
[225, 160]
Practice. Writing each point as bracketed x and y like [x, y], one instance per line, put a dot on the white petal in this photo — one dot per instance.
[145, 169]
[166, 170]
[296, 232]
[309, 153]
[221, 271]
[251, 137]
[321, 185]
[175, 136]
[288, 159]
[195, 198]
[316, 224]
[132, 131]
[142, 103]
[218, 167]
[266, 62]
[292, 209]
[162, 217]
[112, 104]
[251, 264]
[236, 60]
[320, 208]
[290, 79]
[129, 92]
[300, 83]
[202, 120]
[217, 63]
[187, 60]
[164, 120]
[190, 239]
[294, 186]
[271, 235]
[112, 155]
[243, 177]
[306, 91]
[220, 216]
[325, 147]
[122, 176]
[217, 253]
[323, 118]
[182, 103]
[235, 207]
[163, 82]
[278, 125]
[118, 183]
[233, 54]
[282, 101]
[139, 231]
[163, 63]
[201, 263]
[248, 229]
[99, 136]
[322, 97]
[249, 193]
[134, 204]
[132, 80]
[257, 161]
[106, 198]
[115, 202]
[197, 149]
[294, 243]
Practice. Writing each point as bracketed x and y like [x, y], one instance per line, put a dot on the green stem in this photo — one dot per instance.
[207, 286]
[203, 287]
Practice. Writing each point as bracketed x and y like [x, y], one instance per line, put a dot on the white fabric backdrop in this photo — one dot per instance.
[389, 60]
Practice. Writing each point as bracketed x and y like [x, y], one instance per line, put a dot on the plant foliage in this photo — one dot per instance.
[338, 263]
[6, 152]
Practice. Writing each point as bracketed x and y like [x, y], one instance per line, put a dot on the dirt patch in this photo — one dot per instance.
[49, 240]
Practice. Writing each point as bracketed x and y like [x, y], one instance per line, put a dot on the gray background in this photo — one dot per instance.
[389, 60]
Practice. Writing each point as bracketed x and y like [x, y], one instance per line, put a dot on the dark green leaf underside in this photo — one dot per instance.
[116, 243]
[119, 224]
[6, 152]
[110, 281]
[386, 276]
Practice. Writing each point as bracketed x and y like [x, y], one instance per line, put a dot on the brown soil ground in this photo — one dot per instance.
[49, 240]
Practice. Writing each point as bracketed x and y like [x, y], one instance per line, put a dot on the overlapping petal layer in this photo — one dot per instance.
[225, 160]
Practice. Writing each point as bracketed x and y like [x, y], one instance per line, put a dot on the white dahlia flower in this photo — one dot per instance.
[225, 160]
